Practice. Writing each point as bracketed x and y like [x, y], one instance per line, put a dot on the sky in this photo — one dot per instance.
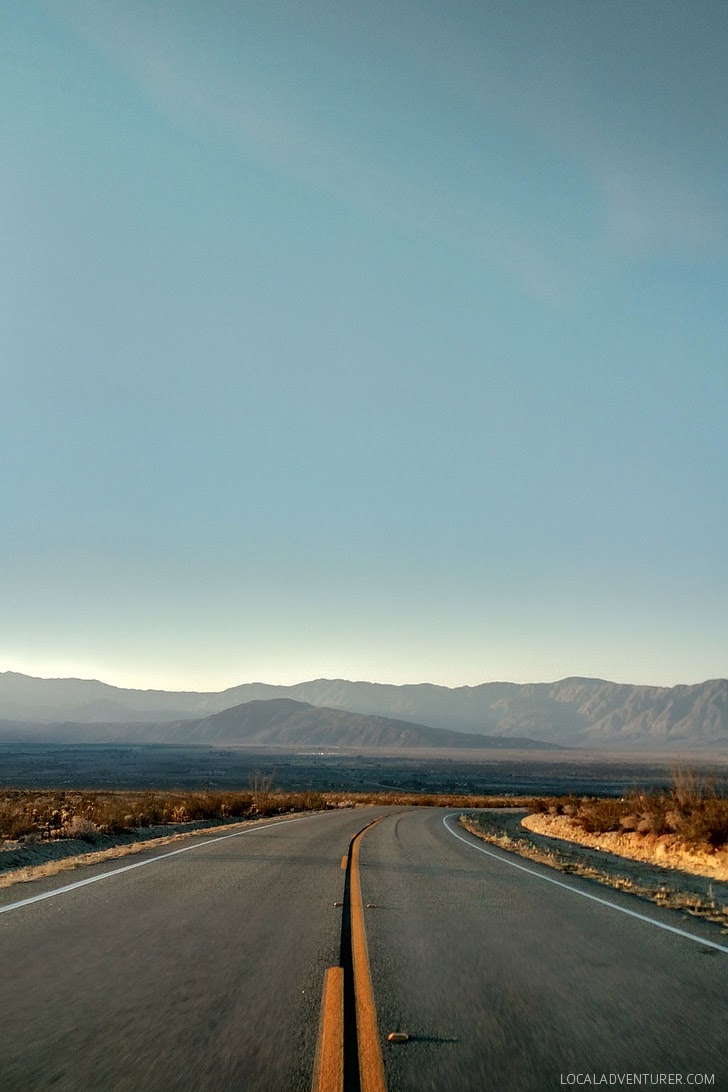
[378, 341]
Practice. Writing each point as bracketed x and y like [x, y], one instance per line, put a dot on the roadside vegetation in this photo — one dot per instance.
[694, 811]
[38, 815]
[31, 816]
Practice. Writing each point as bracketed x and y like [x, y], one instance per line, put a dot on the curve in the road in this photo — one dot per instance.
[208, 973]
[584, 894]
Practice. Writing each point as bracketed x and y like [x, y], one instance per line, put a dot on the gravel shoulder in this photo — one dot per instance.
[21, 862]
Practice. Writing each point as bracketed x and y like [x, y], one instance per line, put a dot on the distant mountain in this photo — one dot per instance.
[280, 722]
[572, 712]
[23, 697]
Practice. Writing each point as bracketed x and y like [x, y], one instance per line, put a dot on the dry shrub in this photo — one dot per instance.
[74, 814]
[693, 809]
[78, 827]
[600, 817]
[706, 823]
[46, 814]
[538, 806]
[16, 819]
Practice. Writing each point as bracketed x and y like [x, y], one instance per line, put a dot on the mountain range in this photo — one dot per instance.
[277, 722]
[572, 712]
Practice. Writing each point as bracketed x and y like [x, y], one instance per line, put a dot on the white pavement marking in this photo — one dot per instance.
[583, 894]
[150, 860]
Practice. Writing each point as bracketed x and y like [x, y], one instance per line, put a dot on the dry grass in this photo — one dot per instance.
[694, 811]
[422, 800]
[47, 815]
[50, 831]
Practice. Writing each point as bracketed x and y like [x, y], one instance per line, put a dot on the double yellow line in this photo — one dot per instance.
[329, 1067]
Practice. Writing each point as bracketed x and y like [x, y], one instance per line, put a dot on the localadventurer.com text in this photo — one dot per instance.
[644, 1079]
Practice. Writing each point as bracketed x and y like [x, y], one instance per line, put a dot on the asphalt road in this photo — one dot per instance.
[510, 983]
[204, 970]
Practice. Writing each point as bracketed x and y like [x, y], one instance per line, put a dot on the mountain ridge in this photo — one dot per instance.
[276, 722]
[574, 711]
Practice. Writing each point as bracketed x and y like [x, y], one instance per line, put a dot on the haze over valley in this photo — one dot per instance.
[584, 713]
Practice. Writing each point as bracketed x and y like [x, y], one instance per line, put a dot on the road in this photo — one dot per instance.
[507, 981]
[204, 969]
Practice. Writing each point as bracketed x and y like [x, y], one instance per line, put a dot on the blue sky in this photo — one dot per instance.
[379, 341]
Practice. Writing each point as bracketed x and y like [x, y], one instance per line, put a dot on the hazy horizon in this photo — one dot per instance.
[130, 685]
[364, 341]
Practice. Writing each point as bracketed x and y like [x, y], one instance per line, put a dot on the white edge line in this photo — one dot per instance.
[584, 894]
[150, 860]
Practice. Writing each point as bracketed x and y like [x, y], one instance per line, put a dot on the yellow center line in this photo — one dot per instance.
[329, 1064]
[328, 1073]
[371, 1065]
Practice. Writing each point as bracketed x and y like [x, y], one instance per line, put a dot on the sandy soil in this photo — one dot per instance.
[665, 851]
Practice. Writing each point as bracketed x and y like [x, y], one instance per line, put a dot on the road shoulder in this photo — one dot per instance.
[688, 893]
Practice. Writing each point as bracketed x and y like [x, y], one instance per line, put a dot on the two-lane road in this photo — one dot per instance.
[203, 970]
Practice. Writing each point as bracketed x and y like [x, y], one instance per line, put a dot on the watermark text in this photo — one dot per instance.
[632, 1080]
